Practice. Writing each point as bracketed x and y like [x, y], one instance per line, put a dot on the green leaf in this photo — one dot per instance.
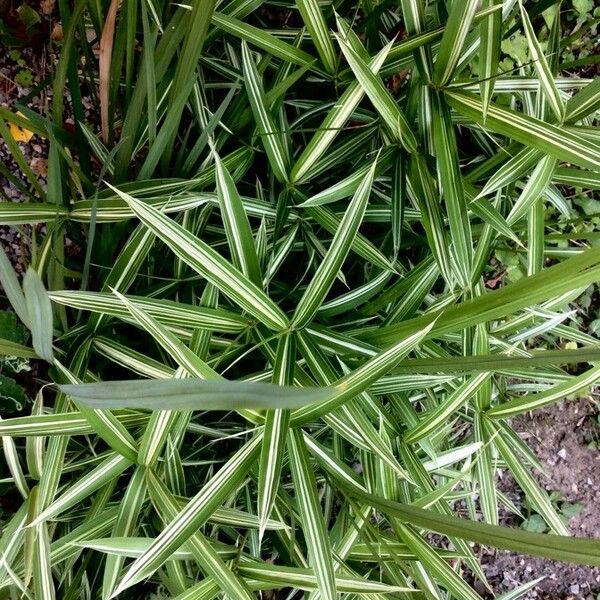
[551, 139]
[556, 547]
[328, 270]
[237, 228]
[317, 538]
[209, 264]
[12, 289]
[382, 100]
[193, 394]
[39, 313]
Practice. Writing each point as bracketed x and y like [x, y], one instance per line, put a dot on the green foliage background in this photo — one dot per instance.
[390, 205]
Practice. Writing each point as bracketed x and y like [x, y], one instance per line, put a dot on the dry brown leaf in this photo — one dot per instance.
[47, 6]
[39, 166]
[57, 33]
[106, 46]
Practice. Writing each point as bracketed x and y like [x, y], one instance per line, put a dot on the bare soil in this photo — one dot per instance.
[566, 439]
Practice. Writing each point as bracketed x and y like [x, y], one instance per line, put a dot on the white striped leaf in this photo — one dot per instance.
[491, 38]
[125, 525]
[333, 123]
[167, 312]
[570, 387]
[328, 270]
[362, 378]
[209, 264]
[195, 513]
[534, 189]
[437, 417]
[107, 471]
[203, 551]
[270, 136]
[237, 228]
[381, 98]
[584, 103]
[275, 433]
[537, 497]
[545, 77]
[550, 139]
[315, 530]
[451, 186]
[457, 27]
[258, 37]
[317, 28]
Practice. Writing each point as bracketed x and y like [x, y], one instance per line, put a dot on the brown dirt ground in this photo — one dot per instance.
[563, 438]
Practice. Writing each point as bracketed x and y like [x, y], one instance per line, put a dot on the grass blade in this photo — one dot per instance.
[328, 270]
[310, 510]
[39, 313]
[209, 264]
[237, 228]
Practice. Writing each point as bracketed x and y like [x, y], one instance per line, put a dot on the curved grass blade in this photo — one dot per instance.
[581, 551]
[571, 387]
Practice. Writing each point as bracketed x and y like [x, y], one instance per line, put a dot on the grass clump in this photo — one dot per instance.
[278, 360]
